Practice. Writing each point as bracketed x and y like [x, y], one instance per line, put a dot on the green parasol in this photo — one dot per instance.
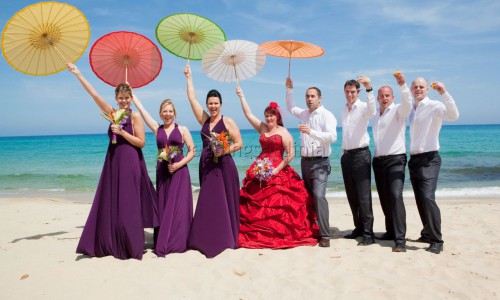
[188, 35]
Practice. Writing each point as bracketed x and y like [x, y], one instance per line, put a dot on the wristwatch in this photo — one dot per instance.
[369, 90]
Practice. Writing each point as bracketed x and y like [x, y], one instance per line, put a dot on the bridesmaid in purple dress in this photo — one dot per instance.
[216, 220]
[173, 183]
[125, 201]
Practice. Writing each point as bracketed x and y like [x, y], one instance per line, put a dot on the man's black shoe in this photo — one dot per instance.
[421, 239]
[435, 248]
[385, 237]
[366, 241]
[354, 234]
[399, 247]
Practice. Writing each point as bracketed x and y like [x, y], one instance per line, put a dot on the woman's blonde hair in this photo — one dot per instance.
[168, 102]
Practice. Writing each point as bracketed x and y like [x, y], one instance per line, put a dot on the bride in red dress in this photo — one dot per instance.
[275, 212]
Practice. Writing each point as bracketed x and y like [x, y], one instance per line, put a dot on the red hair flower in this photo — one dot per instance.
[273, 105]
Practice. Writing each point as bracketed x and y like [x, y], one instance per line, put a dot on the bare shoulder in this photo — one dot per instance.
[183, 129]
[284, 130]
[136, 115]
[229, 121]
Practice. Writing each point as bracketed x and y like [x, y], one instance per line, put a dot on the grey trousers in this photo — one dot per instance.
[424, 171]
[356, 171]
[315, 175]
[389, 174]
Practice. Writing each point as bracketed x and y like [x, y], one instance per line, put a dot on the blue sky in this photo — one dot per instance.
[456, 42]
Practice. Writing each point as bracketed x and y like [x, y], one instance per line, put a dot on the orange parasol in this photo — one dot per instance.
[292, 49]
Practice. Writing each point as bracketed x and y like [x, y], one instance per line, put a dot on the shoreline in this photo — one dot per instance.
[443, 194]
[39, 238]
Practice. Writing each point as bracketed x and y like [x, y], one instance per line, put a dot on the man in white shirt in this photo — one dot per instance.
[356, 157]
[389, 161]
[426, 119]
[318, 129]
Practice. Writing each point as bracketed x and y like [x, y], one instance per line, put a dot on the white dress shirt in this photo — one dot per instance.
[355, 123]
[426, 120]
[389, 129]
[323, 128]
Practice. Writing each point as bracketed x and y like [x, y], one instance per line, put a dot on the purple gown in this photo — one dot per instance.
[175, 198]
[216, 220]
[125, 203]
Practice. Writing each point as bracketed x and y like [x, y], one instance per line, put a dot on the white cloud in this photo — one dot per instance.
[270, 26]
[443, 18]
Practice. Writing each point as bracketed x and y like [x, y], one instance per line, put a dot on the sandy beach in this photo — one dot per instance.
[38, 260]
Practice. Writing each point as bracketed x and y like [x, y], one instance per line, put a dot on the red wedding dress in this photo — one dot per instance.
[277, 213]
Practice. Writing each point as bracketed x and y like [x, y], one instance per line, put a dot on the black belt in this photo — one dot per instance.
[313, 157]
[352, 151]
[425, 154]
[386, 157]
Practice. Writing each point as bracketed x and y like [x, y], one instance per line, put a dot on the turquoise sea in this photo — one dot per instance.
[69, 166]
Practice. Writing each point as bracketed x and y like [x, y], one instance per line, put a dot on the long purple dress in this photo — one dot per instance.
[216, 220]
[175, 198]
[125, 203]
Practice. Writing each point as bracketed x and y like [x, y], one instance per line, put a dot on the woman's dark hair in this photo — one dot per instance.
[214, 93]
[273, 110]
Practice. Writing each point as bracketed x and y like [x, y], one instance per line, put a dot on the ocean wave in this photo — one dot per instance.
[482, 192]
[480, 171]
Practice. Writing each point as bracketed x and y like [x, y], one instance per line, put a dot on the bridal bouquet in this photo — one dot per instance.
[263, 169]
[117, 117]
[219, 141]
[168, 153]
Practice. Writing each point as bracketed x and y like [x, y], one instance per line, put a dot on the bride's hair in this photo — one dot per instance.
[274, 110]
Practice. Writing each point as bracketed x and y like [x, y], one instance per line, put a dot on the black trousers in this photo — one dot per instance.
[389, 174]
[424, 171]
[356, 171]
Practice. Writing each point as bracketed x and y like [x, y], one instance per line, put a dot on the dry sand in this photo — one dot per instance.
[38, 261]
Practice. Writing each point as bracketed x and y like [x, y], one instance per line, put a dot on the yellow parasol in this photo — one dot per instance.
[41, 38]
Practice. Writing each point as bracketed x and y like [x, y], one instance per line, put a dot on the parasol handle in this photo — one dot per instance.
[64, 59]
[235, 73]
[126, 73]
[189, 49]
[290, 58]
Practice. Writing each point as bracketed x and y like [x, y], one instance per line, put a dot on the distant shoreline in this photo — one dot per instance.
[291, 128]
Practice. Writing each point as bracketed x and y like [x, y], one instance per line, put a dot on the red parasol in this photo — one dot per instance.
[123, 56]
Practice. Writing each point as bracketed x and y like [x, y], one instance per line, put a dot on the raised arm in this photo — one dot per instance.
[254, 121]
[103, 105]
[288, 145]
[200, 114]
[451, 111]
[405, 108]
[371, 107]
[152, 124]
[290, 105]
